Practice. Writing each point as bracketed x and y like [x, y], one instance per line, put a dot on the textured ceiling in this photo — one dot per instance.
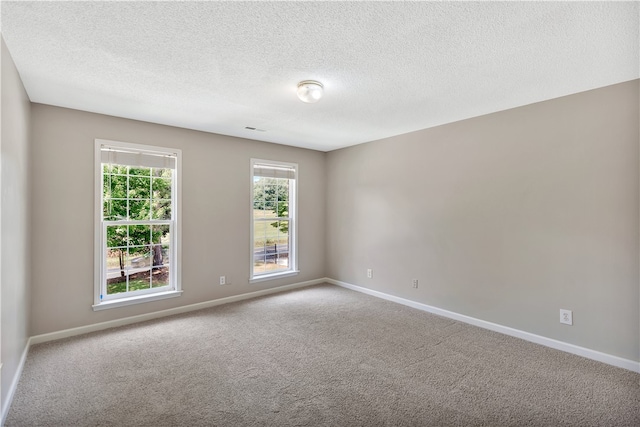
[388, 67]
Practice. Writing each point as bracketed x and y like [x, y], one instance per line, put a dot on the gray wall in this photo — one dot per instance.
[215, 213]
[14, 222]
[506, 217]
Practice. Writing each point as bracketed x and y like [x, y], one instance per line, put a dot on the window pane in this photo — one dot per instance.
[258, 189]
[160, 234]
[281, 233]
[283, 191]
[165, 254]
[117, 276]
[273, 261]
[282, 260]
[139, 266]
[271, 233]
[116, 285]
[139, 235]
[106, 185]
[270, 191]
[107, 208]
[271, 246]
[259, 235]
[270, 208]
[118, 209]
[140, 171]
[270, 253]
[260, 212]
[157, 257]
[160, 277]
[163, 173]
[161, 209]
[115, 186]
[139, 187]
[259, 240]
[283, 209]
[141, 280]
[139, 209]
[139, 258]
[115, 263]
[161, 188]
[259, 264]
[116, 236]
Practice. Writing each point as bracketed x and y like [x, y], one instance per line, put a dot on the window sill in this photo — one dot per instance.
[265, 277]
[135, 300]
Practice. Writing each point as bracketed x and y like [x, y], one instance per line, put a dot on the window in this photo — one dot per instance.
[273, 219]
[137, 223]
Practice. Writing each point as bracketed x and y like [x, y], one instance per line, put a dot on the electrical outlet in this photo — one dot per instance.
[369, 273]
[415, 283]
[566, 317]
[223, 280]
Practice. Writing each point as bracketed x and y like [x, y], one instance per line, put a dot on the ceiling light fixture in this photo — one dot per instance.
[310, 91]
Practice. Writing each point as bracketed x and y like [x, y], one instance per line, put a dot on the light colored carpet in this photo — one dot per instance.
[318, 356]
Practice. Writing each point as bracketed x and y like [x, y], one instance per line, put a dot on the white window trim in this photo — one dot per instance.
[272, 276]
[293, 213]
[122, 302]
[176, 240]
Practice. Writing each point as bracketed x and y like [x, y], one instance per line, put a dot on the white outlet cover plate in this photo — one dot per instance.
[566, 317]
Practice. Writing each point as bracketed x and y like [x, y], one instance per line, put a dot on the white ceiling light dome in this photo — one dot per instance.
[310, 91]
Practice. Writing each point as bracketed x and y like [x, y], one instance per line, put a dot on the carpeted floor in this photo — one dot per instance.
[318, 356]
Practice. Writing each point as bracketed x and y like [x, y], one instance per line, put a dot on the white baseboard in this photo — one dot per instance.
[527, 336]
[14, 384]
[37, 339]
